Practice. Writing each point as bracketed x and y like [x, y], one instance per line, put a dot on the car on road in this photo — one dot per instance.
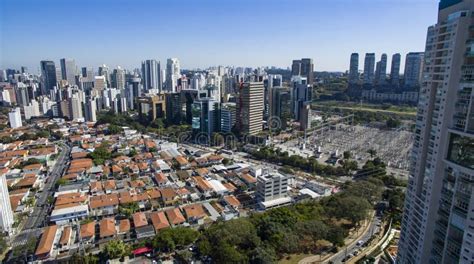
[360, 243]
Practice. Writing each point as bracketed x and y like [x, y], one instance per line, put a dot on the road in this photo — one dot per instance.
[37, 219]
[351, 248]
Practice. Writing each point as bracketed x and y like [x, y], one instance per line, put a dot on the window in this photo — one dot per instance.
[461, 150]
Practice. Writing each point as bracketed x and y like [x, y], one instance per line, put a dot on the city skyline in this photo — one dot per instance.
[203, 34]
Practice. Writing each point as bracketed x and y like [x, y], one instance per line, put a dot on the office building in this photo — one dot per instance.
[173, 73]
[206, 118]
[280, 106]
[104, 71]
[151, 75]
[381, 70]
[272, 190]
[395, 69]
[413, 69]
[100, 83]
[250, 108]
[369, 65]
[14, 117]
[228, 116]
[438, 220]
[118, 78]
[301, 93]
[48, 76]
[6, 213]
[151, 107]
[304, 68]
[68, 71]
[354, 69]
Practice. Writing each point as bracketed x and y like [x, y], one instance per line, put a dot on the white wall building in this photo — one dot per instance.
[14, 117]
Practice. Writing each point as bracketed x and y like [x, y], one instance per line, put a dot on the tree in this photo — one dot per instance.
[114, 129]
[3, 244]
[347, 155]
[61, 181]
[100, 154]
[129, 209]
[117, 249]
[263, 255]
[217, 139]
[372, 152]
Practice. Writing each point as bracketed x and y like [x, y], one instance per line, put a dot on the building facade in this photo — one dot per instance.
[438, 220]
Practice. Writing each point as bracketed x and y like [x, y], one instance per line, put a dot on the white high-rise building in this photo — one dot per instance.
[14, 117]
[6, 213]
[91, 110]
[413, 68]
[75, 110]
[31, 110]
[173, 73]
[438, 220]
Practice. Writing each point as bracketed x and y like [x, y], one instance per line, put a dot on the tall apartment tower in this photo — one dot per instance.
[413, 69]
[14, 117]
[151, 75]
[48, 76]
[118, 78]
[438, 220]
[369, 65]
[395, 69]
[6, 214]
[173, 73]
[381, 70]
[354, 69]
[91, 109]
[68, 70]
[250, 108]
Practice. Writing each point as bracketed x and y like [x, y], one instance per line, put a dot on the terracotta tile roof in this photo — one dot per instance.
[79, 155]
[215, 158]
[87, 230]
[116, 169]
[137, 184]
[127, 197]
[15, 201]
[36, 166]
[124, 226]
[159, 220]
[65, 236]
[168, 193]
[139, 219]
[247, 178]
[182, 161]
[183, 191]
[175, 216]
[104, 200]
[26, 182]
[195, 211]
[42, 151]
[154, 193]
[110, 185]
[230, 186]
[47, 239]
[231, 200]
[160, 178]
[202, 184]
[96, 186]
[202, 171]
[70, 198]
[107, 227]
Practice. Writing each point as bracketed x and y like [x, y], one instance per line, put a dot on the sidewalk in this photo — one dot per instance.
[349, 241]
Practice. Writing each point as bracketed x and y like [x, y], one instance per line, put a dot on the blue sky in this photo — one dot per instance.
[202, 33]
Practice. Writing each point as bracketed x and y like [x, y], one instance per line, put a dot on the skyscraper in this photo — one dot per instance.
[413, 69]
[395, 69]
[91, 109]
[118, 78]
[6, 213]
[381, 70]
[151, 75]
[369, 65]
[303, 67]
[173, 72]
[68, 70]
[354, 69]
[48, 76]
[104, 71]
[438, 220]
[250, 108]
